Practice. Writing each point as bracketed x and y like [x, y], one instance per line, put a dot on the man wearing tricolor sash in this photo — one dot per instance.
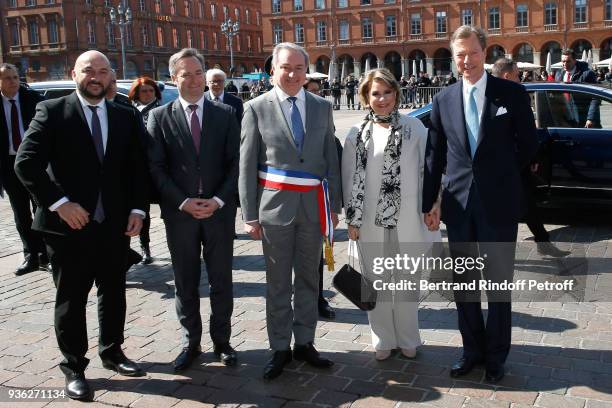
[290, 196]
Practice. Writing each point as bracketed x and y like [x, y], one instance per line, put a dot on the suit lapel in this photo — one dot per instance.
[489, 108]
[113, 130]
[207, 123]
[183, 127]
[74, 105]
[311, 106]
[280, 117]
[459, 117]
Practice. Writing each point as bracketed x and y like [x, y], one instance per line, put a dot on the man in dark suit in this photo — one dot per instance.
[194, 164]
[83, 163]
[16, 112]
[215, 78]
[483, 133]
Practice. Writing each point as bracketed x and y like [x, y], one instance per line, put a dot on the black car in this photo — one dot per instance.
[575, 162]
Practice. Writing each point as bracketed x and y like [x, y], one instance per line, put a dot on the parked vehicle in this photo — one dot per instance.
[575, 161]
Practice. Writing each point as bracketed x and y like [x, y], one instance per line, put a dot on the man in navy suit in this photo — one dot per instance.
[215, 79]
[483, 133]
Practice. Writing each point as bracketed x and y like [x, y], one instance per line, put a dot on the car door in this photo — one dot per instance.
[581, 157]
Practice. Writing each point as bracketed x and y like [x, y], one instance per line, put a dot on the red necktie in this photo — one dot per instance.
[568, 77]
[16, 133]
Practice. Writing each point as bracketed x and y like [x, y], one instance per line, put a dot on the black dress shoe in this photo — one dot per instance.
[184, 360]
[29, 265]
[146, 255]
[326, 311]
[122, 365]
[274, 368]
[310, 355]
[548, 248]
[133, 258]
[226, 354]
[77, 387]
[494, 374]
[463, 366]
[43, 263]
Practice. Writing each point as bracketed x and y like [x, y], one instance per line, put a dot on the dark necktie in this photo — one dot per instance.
[297, 126]
[96, 134]
[196, 130]
[216, 99]
[16, 133]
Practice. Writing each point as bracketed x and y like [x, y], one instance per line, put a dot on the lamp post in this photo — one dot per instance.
[122, 18]
[230, 29]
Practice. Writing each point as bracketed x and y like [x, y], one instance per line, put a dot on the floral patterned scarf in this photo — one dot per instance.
[389, 199]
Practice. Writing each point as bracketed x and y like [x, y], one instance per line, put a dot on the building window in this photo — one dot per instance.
[319, 4]
[144, 35]
[249, 43]
[343, 30]
[247, 16]
[160, 37]
[176, 39]
[365, 2]
[225, 12]
[237, 14]
[390, 26]
[158, 9]
[522, 13]
[298, 5]
[366, 27]
[580, 12]
[201, 9]
[494, 18]
[550, 14]
[215, 41]
[299, 33]
[188, 8]
[415, 24]
[466, 17]
[91, 32]
[129, 36]
[141, 5]
[321, 31]
[258, 18]
[52, 32]
[213, 11]
[276, 6]
[15, 38]
[440, 21]
[31, 3]
[107, 3]
[342, 3]
[277, 33]
[190, 39]
[203, 40]
[173, 7]
[12, 3]
[608, 10]
[110, 34]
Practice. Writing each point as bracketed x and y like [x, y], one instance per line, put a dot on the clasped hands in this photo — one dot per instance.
[77, 218]
[253, 228]
[200, 208]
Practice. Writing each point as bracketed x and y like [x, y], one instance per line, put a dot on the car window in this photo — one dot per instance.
[57, 93]
[573, 109]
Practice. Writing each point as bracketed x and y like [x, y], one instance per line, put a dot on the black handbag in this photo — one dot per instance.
[355, 286]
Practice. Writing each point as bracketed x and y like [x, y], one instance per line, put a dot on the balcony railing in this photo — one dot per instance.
[391, 38]
[367, 40]
[321, 43]
[551, 27]
[607, 23]
[522, 29]
[441, 35]
[580, 26]
[494, 31]
[416, 37]
[345, 41]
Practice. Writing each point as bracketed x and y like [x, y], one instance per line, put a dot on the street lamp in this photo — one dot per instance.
[122, 18]
[230, 29]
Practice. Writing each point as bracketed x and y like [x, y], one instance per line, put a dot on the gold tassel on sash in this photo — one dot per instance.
[329, 255]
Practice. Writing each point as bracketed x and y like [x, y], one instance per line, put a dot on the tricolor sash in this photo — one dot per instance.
[302, 182]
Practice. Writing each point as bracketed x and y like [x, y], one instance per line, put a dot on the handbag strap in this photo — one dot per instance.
[360, 256]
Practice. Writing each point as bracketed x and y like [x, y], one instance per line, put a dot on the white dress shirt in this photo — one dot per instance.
[285, 104]
[212, 96]
[103, 117]
[9, 124]
[479, 95]
[200, 112]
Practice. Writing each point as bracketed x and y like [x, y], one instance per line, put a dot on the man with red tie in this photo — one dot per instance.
[16, 112]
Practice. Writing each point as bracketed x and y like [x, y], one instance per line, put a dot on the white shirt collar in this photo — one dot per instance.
[282, 95]
[84, 103]
[212, 96]
[186, 104]
[480, 85]
[15, 98]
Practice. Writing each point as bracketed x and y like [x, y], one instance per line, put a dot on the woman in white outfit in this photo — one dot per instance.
[382, 170]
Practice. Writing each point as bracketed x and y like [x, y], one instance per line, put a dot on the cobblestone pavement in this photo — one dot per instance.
[561, 351]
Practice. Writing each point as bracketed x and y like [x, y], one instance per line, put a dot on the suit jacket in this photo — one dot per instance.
[58, 159]
[28, 99]
[177, 169]
[267, 140]
[232, 101]
[506, 143]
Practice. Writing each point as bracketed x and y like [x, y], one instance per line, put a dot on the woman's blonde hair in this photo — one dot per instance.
[382, 75]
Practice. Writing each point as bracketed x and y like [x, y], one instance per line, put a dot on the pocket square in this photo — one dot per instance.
[501, 111]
